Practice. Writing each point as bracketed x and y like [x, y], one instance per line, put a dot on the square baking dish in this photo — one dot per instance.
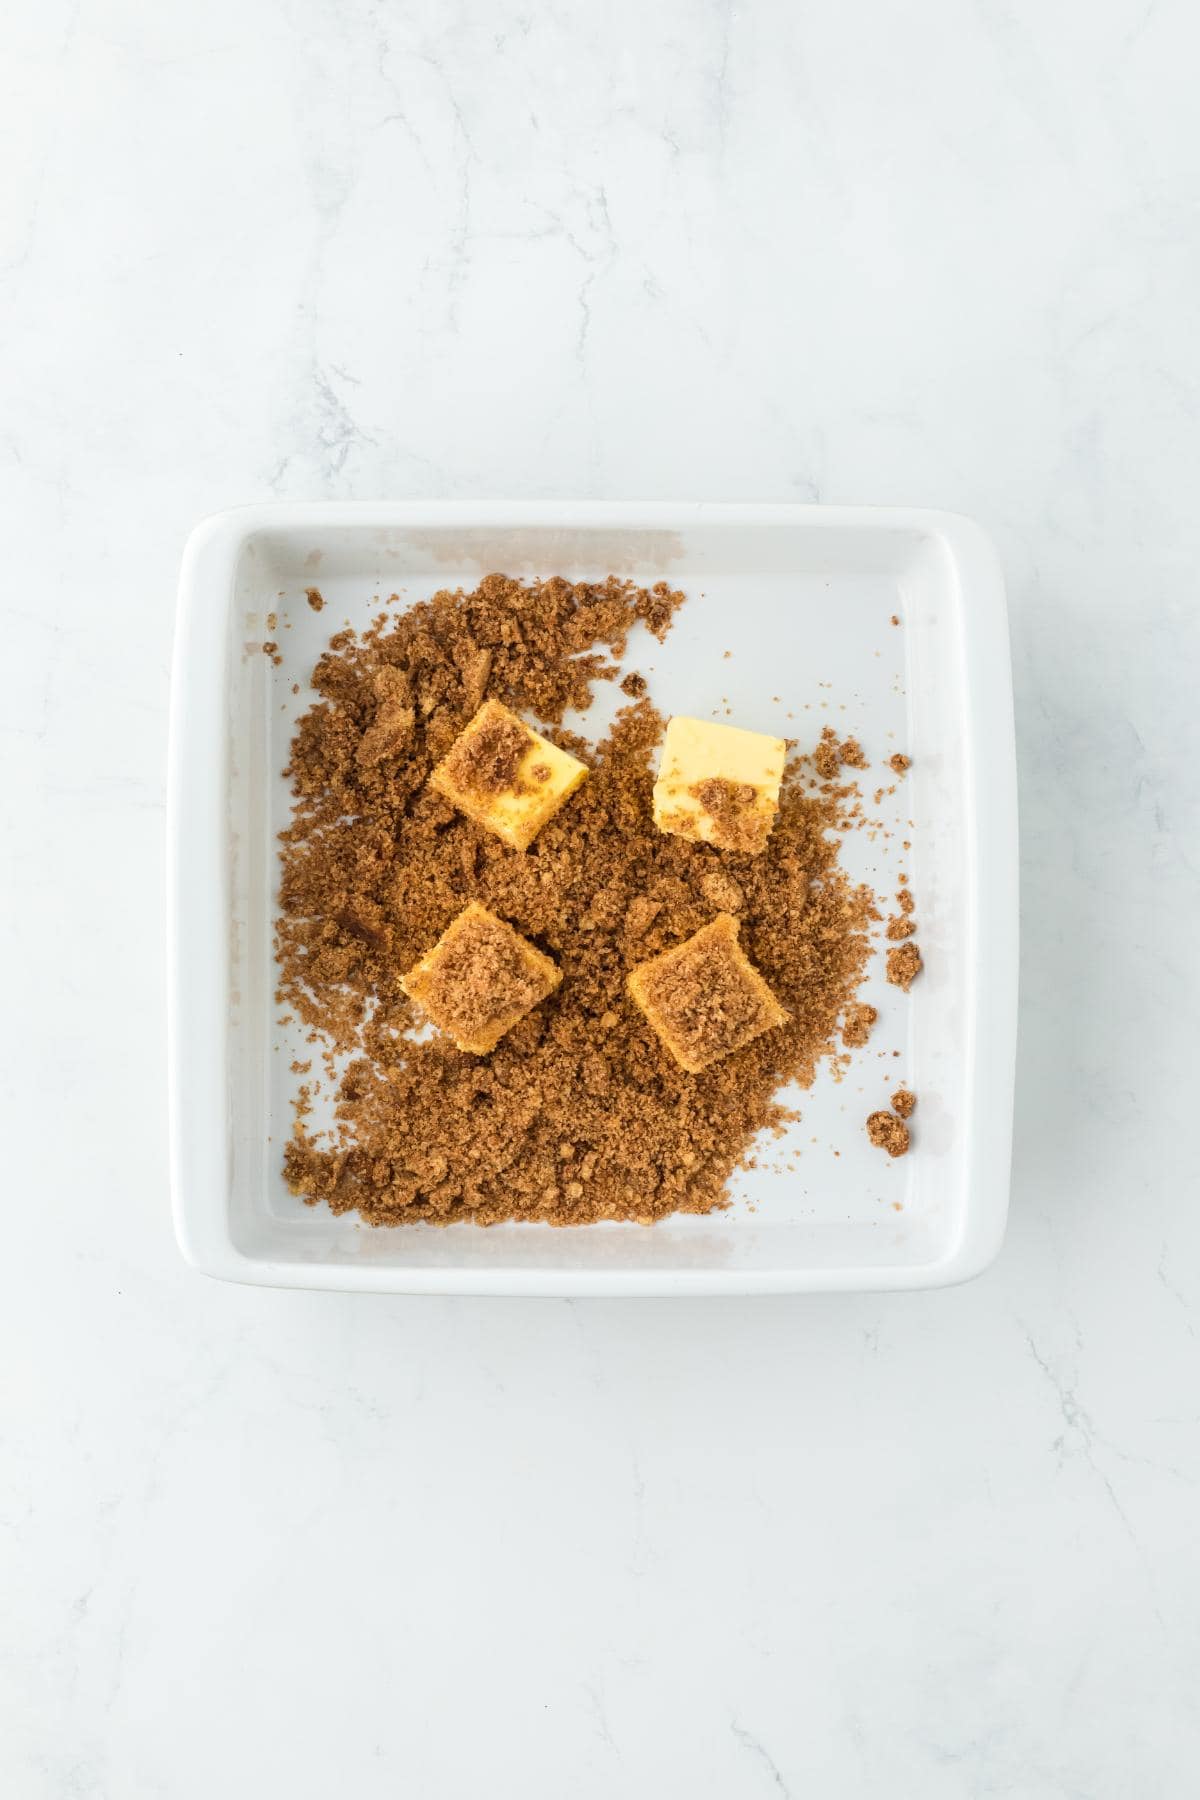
[886, 623]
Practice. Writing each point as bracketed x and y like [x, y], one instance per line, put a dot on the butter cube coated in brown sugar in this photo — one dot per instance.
[719, 785]
[705, 998]
[479, 979]
[505, 776]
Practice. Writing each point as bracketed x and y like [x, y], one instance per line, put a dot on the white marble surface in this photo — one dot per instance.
[940, 253]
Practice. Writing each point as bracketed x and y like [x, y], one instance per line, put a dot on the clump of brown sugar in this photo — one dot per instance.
[903, 965]
[900, 927]
[826, 757]
[271, 649]
[315, 598]
[395, 719]
[856, 1027]
[903, 1102]
[579, 1113]
[830, 755]
[887, 1132]
[721, 891]
[899, 762]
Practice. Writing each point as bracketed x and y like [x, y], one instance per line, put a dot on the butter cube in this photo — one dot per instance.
[505, 776]
[705, 999]
[719, 785]
[479, 979]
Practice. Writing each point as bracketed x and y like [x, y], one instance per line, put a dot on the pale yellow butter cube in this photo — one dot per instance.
[506, 776]
[719, 785]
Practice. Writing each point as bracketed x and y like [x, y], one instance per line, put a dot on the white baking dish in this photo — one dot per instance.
[803, 597]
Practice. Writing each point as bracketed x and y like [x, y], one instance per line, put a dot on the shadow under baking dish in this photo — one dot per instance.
[802, 599]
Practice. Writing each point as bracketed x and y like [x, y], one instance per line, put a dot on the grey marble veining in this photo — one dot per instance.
[931, 1547]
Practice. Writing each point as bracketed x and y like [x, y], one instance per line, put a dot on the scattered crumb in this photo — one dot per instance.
[899, 762]
[825, 756]
[272, 621]
[887, 1132]
[634, 685]
[856, 1026]
[895, 618]
[830, 756]
[901, 928]
[903, 965]
[316, 599]
[272, 650]
[903, 1102]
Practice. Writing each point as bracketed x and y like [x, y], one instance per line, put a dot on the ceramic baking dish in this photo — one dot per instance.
[804, 598]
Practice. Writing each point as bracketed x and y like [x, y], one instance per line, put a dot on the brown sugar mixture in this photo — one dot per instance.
[904, 1102]
[579, 1113]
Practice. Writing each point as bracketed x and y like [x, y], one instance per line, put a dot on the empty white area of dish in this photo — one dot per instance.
[806, 616]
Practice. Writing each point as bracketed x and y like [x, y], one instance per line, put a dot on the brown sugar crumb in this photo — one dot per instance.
[899, 762]
[895, 618]
[830, 755]
[315, 598]
[722, 892]
[272, 621]
[856, 1026]
[394, 722]
[480, 979]
[904, 1102]
[704, 998]
[887, 1132]
[640, 916]
[634, 685]
[375, 865]
[903, 965]
[901, 927]
[271, 649]
[904, 900]
[826, 757]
